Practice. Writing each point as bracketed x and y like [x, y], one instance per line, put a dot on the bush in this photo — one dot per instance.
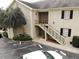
[22, 37]
[75, 41]
[5, 34]
[0, 35]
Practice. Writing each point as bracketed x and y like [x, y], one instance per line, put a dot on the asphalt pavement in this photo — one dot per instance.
[13, 50]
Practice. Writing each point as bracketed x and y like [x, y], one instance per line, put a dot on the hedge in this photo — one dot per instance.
[75, 41]
[22, 37]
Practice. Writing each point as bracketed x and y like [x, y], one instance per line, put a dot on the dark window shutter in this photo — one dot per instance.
[69, 32]
[61, 31]
[71, 14]
[62, 15]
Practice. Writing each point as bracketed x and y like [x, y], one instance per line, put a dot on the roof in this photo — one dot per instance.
[52, 4]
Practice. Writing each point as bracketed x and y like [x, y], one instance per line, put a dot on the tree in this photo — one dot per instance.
[14, 18]
[2, 16]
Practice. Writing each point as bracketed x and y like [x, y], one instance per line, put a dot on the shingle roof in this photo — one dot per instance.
[53, 4]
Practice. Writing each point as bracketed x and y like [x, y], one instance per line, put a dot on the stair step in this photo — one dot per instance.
[53, 33]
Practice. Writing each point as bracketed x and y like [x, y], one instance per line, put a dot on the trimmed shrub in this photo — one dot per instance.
[0, 35]
[75, 41]
[22, 37]
[5, 34]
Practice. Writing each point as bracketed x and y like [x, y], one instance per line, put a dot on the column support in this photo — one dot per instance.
[45, 36]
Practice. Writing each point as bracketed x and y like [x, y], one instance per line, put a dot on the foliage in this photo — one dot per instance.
[22, 37]
[75, 41]
[14, 18]
[5, 34]
[0, 35]
[2, 16]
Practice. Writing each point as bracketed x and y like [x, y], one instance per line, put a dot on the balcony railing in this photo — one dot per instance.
[41, 22]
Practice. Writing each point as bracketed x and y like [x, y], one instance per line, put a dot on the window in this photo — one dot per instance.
[65, 32]
[67, 14]
[71, 14]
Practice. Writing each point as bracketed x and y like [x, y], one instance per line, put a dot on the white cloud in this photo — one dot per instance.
[5, 3]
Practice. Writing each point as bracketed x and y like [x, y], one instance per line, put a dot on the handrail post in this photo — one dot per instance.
[45, 36]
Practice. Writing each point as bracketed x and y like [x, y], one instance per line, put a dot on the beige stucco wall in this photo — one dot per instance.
[56, 21]
[19, 30]
[34, 20]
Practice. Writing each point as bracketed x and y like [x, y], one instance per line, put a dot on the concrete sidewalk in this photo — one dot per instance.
[66, 47]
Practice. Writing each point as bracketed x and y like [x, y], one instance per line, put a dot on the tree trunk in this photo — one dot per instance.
[20, 42]
[10, 33]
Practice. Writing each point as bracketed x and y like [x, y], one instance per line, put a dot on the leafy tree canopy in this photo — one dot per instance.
[2, 16]
[14, 18]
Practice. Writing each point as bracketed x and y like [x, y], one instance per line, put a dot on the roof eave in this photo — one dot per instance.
[59, 8]
[65, 8]
[25, 5]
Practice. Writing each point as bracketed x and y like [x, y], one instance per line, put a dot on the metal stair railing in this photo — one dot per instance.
[54, 29]
[53, 33]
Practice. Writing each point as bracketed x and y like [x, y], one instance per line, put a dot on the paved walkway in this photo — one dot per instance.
[66, 47]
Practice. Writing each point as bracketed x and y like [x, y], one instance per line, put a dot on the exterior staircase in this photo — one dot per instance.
[52, 32]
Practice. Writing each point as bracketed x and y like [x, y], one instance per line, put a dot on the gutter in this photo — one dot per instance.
[24, 5]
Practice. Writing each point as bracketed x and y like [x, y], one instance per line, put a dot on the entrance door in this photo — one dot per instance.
[43, 17]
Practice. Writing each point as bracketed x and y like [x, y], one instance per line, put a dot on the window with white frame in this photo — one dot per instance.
[67, 14]
[65, 32]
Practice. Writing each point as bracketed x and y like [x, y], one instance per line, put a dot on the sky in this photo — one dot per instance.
[5, 3]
